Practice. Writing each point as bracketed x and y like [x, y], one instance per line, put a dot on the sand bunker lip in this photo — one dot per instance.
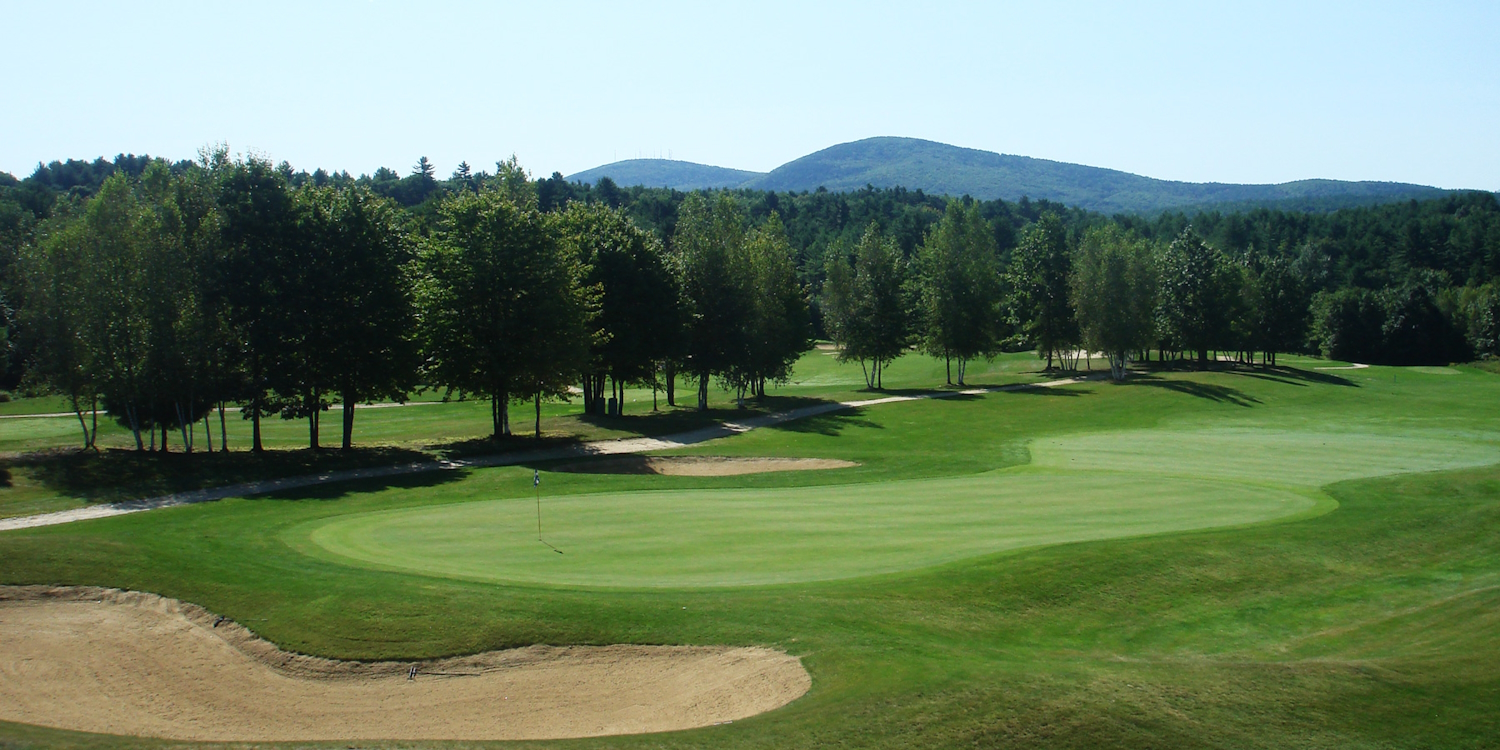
[131, 663]
[699, 466]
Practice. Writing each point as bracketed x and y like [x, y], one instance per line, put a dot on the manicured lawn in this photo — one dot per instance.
[1014, 570]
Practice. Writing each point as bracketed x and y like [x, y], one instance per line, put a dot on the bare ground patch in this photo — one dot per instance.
[131, 663]
[699, 466]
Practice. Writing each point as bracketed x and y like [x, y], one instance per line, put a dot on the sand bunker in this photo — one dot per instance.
[103, 660]
[699, 466]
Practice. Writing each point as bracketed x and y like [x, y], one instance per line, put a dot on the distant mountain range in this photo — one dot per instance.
[938, 168]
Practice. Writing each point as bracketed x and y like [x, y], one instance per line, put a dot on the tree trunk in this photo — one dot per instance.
[538, 415]
[349, 400]
[948, 365]
[703, 391]
[184, 425]
[312, 420]
[671, 375]
[135, 426]
[78, 409]
[208, 433]
[223, 431]
[1049, 359]
[500, 413]
[1203, 359]
[255, 445]
[164, 433]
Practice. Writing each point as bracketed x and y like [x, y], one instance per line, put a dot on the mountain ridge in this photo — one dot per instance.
[939, 168]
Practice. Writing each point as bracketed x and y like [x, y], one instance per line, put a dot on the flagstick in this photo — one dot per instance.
[536, 481]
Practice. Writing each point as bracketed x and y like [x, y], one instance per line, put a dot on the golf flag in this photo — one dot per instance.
[536, 478]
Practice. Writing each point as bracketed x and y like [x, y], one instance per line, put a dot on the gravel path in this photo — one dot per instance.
[597, 448]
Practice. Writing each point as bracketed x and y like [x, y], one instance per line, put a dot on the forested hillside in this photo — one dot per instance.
[159, 290]
[940, 169]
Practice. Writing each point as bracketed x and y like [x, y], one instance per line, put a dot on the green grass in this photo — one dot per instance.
[698, 538]
[1375, 625]
[46, 475]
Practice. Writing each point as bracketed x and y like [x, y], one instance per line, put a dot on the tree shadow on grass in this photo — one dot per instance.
[1210, 391]
[1038, 390]
[1292, 376]
[118, 475]
[831, 424]
[339, 489]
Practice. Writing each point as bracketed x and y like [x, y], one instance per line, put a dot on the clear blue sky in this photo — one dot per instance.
[1259, 92]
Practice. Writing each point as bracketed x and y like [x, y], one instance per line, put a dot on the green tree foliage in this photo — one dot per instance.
[1347, 324]
[504, 311]
[641, 315]
[958, 291]
[866, 306]
[779, 324]
[1276, 307]
[1114, 292]
[262, 281]
[1040, 305]
[1197, 298]
[710, 259]
[115, 296]
[57, 314]
[359, 259]
[1401, 326]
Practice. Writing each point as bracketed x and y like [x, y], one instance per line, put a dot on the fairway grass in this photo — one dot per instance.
[1081, 487]
[705, 538]
[1266, 558]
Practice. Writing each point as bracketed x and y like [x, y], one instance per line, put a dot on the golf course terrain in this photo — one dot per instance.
[1247, 557]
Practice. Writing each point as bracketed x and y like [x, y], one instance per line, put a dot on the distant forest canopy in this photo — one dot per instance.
[1370, 247]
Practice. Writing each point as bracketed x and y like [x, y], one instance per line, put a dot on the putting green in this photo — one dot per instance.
[1081, 487]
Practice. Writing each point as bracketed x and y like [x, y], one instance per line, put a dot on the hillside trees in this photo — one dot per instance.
[1114, 292]
[1040, 302]
[959, 294]
[866, 307]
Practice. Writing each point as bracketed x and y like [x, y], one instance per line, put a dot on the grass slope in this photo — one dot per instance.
[1372, 626]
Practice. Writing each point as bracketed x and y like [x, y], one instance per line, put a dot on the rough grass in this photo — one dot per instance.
[1372, 626]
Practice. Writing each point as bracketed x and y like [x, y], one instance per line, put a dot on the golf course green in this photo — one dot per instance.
[1246, 557]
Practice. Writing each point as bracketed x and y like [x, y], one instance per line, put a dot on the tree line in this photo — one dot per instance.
[164, 292]
[165, 298]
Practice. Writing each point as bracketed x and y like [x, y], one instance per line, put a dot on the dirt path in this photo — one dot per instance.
[598, 448]
[119, 662]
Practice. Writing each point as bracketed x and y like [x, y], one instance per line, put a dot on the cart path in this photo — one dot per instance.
[580, 450]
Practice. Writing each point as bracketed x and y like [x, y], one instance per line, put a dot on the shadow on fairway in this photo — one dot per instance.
[1293, 376]
[830, 425]
[119, 474]
[1043, 391]
[1210, 391]
[339, 490]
